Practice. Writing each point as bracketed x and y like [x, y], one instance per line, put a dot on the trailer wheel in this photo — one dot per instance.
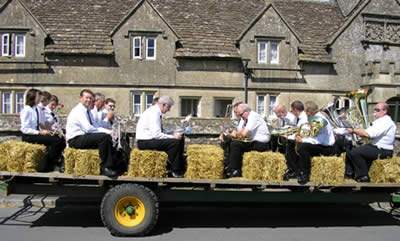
[129, 210]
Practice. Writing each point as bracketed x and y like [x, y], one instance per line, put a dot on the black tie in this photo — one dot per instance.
[90, 119]
[245, 123]
[283, 122]
[54, 116]
[37, 119]
[297, 120]
[161, 123]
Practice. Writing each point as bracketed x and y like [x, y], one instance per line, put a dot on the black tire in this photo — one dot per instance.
[145, 213]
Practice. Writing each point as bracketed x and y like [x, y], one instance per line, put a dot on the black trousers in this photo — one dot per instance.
[173, 147]
[363, 156]
[237, 148]
[100, 141]
[307, 151]
[54, 145]
[278, 143]
[292, 159]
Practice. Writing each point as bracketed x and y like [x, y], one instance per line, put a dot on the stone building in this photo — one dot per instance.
[206, 54]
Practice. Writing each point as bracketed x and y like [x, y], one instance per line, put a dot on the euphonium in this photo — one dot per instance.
[357, 114]
[310, 129]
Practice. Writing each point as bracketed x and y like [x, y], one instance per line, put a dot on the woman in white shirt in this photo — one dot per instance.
[32, 133]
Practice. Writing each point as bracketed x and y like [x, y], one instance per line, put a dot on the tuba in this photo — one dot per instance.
[329, 112]
[357, 114]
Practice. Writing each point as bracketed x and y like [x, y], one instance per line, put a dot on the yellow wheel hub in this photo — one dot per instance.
[129, 211]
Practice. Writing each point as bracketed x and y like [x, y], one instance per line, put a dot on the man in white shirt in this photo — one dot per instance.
[44, 101]
[97, 113]
[287, 120]
[292, 159]
[255, 129]
[382, 132]
[82, 132]
[149, 135]
[320, 145]
[107, 114]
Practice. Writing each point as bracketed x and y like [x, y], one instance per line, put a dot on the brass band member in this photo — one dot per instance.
[292, 159]
[322, 144]
[33, 133]
[149, 135]
[286, 119]
[255, 129]
[382, 132]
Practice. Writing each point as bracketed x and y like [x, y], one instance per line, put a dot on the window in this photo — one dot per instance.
[137, 47]
[264, 101]
[394, 112]
[5, 44]
[190, 106]
[19, 101]
[19, 45]
[150, 48]
[149, 100]
[6, 102]
[274, 57]
[220, 107]
[137, 104]
[141, 101]
[272, 104]
[262, 52]
[260, 105]
[268, 52]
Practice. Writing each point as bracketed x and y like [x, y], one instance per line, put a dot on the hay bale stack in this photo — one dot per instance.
[148, 163]
[328, 169]
[265, 166]
[204, 162]
[385, 170]
[82, 162]
[18, 156]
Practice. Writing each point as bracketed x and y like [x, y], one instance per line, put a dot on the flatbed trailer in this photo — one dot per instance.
[130, 205]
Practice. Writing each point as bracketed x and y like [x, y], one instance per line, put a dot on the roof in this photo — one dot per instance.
[206, 28]
[315, 22]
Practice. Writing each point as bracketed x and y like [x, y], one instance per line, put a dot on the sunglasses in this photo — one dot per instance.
[111, 106]
[377, 110]
[241, 114]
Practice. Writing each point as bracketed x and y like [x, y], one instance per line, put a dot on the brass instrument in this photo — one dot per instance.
[329, 112]
[310, 129]
[116, 131]
[357, 114]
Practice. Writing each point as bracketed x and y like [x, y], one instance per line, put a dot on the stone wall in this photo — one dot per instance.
[203, 130]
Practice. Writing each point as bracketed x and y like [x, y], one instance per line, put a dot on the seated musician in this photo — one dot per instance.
[286, 120]
[292, 159]
[322, 144]
[382, 132]
[149, 136]
[82, 132]
[51, 116]
[33, 133]
[255, 130]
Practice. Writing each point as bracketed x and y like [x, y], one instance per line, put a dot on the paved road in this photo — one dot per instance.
[247, 223]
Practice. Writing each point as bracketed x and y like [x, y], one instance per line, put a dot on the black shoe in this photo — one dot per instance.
[363, 179]
[349, 176]
[289, 174]
[303, 179]
[108, 172]
[235, 173]
[177, 175]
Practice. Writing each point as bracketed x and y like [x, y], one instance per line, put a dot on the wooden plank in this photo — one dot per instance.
[220, 182]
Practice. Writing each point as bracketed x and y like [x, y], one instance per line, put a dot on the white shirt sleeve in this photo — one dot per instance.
[28, 118]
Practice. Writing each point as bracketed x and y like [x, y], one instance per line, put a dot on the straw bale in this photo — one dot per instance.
[204, 162]
[4, 148]
[148, 164]
[18, 156]
[328, 169]
[82, 162]
[385, 170]
[265, 166]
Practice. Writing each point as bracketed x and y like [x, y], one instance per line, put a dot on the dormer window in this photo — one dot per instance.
[20, 45]
[13, 44]
[268, 51]
[5, 44]
[144, 45]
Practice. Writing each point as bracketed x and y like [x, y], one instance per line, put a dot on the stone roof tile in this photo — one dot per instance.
[206, 28]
